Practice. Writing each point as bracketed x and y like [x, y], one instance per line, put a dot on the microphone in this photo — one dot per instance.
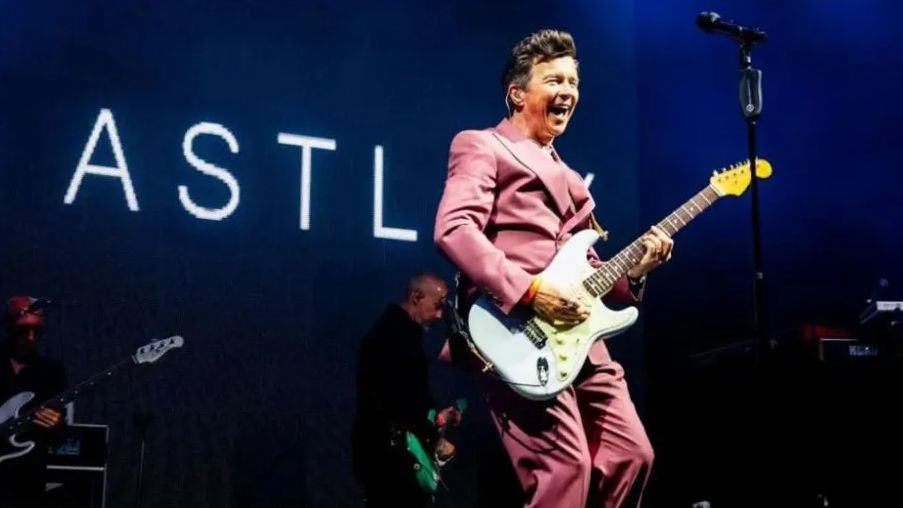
[879, 288]
[711, 23]
[38, 304]
[453, 321]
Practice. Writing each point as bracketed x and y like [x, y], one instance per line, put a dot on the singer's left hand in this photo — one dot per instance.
[658, 250]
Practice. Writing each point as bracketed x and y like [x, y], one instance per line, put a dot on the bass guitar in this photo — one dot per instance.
[14, 423]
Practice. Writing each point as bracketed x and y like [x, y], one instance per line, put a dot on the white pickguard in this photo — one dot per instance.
[501, 340]
[8, 411]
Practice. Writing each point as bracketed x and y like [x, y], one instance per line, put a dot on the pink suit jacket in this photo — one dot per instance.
[506, 209]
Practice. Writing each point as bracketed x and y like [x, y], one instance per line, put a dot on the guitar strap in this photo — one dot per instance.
[603, 234]
[457, 327]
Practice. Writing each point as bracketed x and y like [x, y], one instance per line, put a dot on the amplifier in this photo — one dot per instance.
[77, 468]
[834, 345]
[839, 349]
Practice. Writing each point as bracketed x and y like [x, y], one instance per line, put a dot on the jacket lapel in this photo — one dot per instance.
[531, 156]
[583, 200]
[579, 193]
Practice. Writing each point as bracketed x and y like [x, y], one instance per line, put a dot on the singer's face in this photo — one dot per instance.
[550, 98]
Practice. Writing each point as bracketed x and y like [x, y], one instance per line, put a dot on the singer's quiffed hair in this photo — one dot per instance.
[537, 47]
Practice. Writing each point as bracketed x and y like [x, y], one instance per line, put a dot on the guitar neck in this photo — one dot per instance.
[604, 278]
[18, 424]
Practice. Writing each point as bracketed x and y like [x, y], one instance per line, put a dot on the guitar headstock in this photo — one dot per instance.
[152, 351]
[733, 180]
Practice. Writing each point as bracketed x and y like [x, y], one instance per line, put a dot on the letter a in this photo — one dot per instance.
[121, 171]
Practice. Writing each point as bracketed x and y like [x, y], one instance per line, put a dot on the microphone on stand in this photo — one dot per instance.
[711, 22]
[879, 288]
[454, 322]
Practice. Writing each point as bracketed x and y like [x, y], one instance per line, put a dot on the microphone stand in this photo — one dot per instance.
[751, 107]
[142, 420]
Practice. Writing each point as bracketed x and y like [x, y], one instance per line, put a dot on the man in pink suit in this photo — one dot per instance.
[509, 203]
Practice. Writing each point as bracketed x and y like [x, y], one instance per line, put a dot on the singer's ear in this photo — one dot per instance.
[515, 95]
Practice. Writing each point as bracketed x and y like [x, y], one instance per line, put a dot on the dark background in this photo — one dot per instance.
[255, 410]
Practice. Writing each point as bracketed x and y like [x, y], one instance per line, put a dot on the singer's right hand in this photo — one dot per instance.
[558, 307]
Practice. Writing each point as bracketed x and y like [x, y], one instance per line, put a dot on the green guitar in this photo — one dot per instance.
[427, 464]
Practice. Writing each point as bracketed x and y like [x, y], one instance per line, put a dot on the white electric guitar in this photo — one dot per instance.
[12, 423]
[538, 359]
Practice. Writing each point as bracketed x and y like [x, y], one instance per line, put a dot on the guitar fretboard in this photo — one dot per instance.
[604, 278]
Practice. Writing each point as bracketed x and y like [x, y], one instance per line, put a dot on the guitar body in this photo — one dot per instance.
[540, 371]
[426, 464]
[426, 471]
[9, 411]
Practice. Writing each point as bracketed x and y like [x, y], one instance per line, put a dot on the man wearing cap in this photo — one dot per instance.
[24, 369]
